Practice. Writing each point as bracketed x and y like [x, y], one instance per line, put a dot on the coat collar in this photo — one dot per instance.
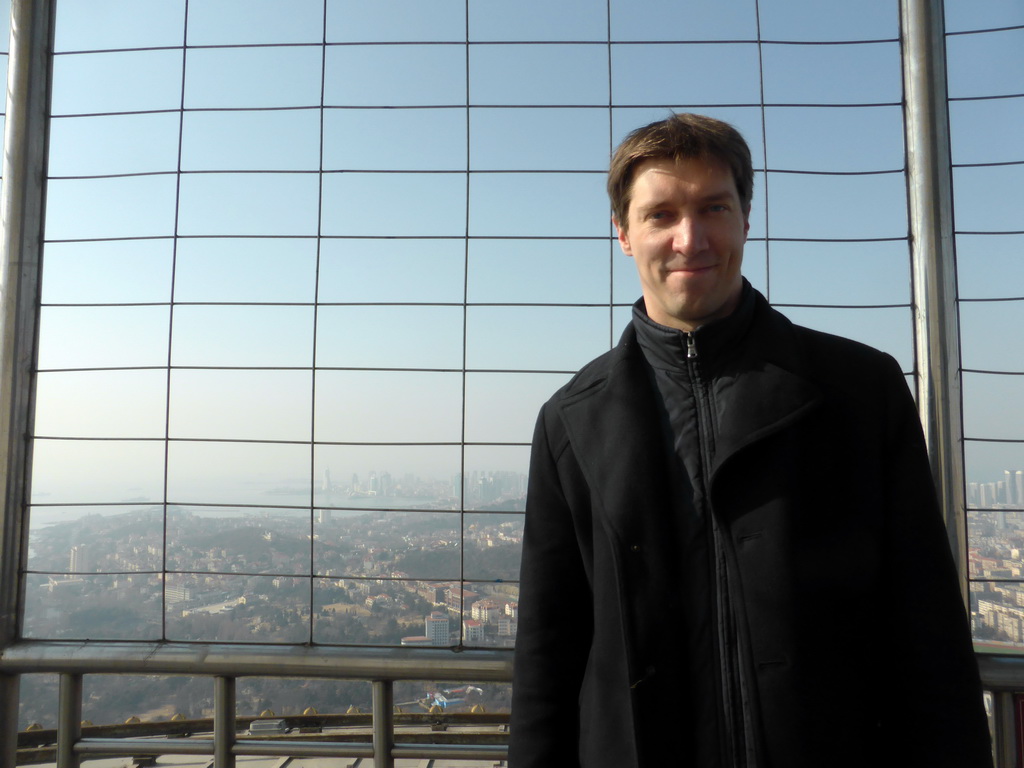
[764, 388]
[715, 342]
[615, 429]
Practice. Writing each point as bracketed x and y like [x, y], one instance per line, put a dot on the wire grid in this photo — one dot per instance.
[993, 513]
[614, 306]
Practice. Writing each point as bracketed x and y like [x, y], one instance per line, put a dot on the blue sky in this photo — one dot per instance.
[536, 139]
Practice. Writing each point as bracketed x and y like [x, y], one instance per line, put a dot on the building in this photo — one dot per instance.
[484, 610]
[176, 593]
[436, 627]
[460, 599]
[472, 631]
[417, 640]
[507, 626]
[79, 560]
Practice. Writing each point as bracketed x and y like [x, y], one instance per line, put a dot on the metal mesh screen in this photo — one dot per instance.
[311, 270]
[986, 89]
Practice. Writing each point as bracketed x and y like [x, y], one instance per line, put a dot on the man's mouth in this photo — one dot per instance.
[693, 269]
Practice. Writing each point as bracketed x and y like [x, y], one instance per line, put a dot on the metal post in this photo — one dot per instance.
[1005, 737]
[69, 720]
[21, 208]
[21, 232]
[930, 198]
[223, 722]
[383, 724]
[9, 689]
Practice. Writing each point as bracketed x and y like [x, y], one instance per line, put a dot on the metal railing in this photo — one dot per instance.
[1002, 677]
[225, 663]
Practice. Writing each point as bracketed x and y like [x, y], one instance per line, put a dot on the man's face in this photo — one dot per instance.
[686, 230]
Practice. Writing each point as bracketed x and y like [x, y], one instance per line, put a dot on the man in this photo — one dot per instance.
[733, 555]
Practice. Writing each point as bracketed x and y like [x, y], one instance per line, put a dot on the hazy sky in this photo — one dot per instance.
[536, 290]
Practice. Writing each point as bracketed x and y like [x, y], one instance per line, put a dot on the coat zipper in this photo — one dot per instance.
[734, 737]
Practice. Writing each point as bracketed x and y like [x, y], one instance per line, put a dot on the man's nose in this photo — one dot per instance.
[689, 236]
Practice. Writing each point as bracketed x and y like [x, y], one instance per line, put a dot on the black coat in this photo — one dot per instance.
[848, 605]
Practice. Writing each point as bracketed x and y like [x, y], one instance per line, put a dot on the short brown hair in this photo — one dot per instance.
[679, 137]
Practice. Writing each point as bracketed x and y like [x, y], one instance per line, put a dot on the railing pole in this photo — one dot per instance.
[9, 687]
[223, 722]
[930, 200]
[383, 723]
[21, 207]
[69, 720]
[1005, 736]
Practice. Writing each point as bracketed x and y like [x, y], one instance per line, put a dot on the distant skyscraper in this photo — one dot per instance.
[437, 629]
[326, 486]
[1018, 483]
[79, 560]
[972, 495]
[1008, 487]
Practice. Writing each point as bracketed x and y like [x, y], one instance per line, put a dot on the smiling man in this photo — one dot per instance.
[733, 555]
